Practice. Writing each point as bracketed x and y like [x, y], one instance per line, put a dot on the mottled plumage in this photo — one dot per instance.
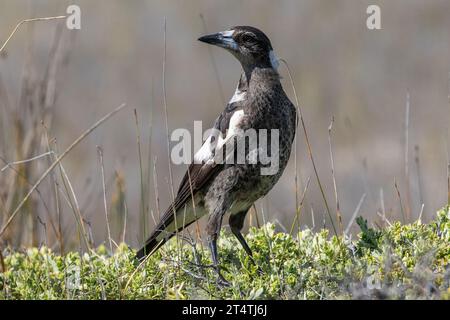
[218, 188]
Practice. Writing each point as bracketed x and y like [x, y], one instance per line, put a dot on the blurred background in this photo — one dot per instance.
[59, 82]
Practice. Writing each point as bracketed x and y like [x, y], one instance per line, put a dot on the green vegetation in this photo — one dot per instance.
[399, 262]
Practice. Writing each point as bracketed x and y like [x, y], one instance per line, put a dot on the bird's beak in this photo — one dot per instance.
[221, 39]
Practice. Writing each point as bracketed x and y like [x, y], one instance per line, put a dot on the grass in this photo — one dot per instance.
[400, 262]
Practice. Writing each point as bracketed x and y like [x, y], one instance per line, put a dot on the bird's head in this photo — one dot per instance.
[248, 44]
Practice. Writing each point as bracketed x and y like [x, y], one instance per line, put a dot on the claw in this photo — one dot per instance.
[259, 270]
[223, 283]
[221, 280]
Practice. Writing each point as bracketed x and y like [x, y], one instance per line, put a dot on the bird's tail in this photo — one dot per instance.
[152, 245]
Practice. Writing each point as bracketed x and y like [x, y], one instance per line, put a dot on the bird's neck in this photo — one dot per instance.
[261, 76]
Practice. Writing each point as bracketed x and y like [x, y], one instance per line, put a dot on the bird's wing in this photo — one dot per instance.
[197, 176]
[203, 168]
[199, 173]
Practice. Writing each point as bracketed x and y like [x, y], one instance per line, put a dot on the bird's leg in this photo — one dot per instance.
[236, 222]
[213, 229]
[213, 248]
[244, 244]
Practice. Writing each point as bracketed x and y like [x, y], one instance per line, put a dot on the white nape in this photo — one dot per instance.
[273, 60]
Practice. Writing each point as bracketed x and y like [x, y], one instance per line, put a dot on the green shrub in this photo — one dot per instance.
[399, 262]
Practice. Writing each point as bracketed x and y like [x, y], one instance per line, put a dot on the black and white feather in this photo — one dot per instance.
[214, 188]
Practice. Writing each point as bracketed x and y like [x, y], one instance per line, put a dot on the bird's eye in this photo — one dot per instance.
[246, 38]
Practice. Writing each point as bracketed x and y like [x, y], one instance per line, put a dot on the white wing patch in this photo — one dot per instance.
[205, 153]
[233, 129]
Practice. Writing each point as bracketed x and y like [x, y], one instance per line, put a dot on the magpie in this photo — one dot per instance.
[214, 188]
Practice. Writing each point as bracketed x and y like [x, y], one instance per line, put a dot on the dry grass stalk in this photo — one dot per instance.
[338, 209]
[155, 187]
[166, 116]
[448, 183]
[2, 261]
[119, 208]
[22, 130]
[400, 200]
[419, 174]
[102, 166]
[26, 21]
[355, 213]
[141, 177]
[299, 209]
[55, 163]
[56, 189]
[407, 180]
[308, 144]
[39, 193]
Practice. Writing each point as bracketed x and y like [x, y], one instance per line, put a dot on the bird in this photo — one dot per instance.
[213, 188]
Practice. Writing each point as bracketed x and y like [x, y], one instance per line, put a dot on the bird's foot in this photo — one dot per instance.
[258, 268]
[137, 262]
[221, 281]
[202, 266]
